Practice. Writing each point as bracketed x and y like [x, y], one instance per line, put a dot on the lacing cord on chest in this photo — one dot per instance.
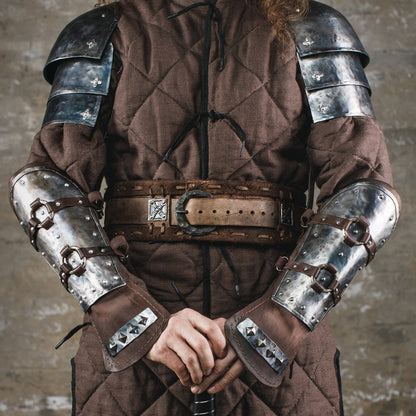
[213, 14]
[214, 117]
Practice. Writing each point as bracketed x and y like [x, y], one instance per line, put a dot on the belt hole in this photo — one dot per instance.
[200, 212]
[214, 211]
[241, 211]
[228, 211]
[263, 213]
[252, 212]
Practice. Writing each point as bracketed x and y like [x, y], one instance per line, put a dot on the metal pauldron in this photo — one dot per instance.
[78, 87]
[339, 241]
[63, 225]
[332, 60]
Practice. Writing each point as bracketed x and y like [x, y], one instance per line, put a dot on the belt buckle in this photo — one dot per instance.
[180, 212]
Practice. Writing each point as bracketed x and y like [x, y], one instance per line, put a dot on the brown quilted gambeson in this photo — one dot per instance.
[155, 91]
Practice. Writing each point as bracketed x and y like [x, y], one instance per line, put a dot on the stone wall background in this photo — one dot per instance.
[374, 325]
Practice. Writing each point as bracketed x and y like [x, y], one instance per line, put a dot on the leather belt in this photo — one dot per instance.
[250, 212]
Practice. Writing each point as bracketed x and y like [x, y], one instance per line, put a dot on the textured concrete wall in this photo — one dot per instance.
[374, 325]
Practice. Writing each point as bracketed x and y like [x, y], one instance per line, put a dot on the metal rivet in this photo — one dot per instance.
[94, 234]
[295, 266]
[32, 229]
[261, 343]
[32, 241]
[88, 218]
[360, 268]
[346, 285]
[315, 235]
[54, 266]
[383, 241]
[337, 222]
[22, 182]
[66, 185]
[43, 254]
[287, 280]
[305, 269]
[325, 309]
[108, 263]
[356, 191]
[116, 277]
[80, 201]
[90, 251]
[251, 331]
[302, 307]
[381, 196]
[341, 254]
[143, 320]
[122, 337]
[323, 219]
[58, 204]
[391, 218]
[22, 223]
[270, 354]
[133, 329]
[280, 293]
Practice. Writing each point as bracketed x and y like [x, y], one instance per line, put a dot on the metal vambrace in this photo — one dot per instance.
[63, 225]
[338, 242]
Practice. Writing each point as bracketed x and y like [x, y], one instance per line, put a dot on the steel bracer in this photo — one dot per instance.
[340, 240]
[332, 61]
[63, 225]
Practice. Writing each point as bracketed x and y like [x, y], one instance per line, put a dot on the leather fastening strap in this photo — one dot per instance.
[52, 207]
[252, 212]
[346, 225]
[314, 271]
[67, 269]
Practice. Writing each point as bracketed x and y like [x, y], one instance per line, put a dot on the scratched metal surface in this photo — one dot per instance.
[374, 324]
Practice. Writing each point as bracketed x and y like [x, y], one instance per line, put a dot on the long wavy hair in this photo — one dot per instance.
[279, 13]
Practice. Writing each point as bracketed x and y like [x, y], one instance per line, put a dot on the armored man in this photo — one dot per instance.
[206, 291]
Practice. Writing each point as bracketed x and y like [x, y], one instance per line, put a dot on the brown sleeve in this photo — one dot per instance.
[80, 152]
[343, 150]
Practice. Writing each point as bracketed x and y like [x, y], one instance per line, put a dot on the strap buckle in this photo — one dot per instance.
[360, 227]
[180, 212]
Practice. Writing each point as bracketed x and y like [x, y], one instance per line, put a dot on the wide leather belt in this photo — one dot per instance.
[250, 212]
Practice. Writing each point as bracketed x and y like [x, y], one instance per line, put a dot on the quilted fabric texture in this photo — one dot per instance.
[154, 94]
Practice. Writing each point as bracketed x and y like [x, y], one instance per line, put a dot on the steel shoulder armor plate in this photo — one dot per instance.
[340, 240]
[332, 61]
[79, 68]
[62, 224]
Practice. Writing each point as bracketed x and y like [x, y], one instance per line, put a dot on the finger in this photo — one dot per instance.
[189, 358]
[221, 367]
[203, 350]
[213, 333]
[172, 361]
[234, 371]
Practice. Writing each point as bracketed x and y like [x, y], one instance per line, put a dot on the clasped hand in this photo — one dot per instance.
[195, 348]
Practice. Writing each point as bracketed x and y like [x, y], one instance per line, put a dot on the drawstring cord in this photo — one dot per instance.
[216, 16]
[71, 333]
[214, 117]
[230, 264]
[213, 14]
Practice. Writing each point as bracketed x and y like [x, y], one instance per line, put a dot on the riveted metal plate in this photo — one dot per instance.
[263, 345]
[324, 244]
[73, 108]
[129, 332]
[84, 76]
[157, 210]
[343, 101]
[73, 226]
[323, 30]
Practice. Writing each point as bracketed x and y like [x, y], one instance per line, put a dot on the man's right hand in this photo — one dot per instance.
[189, 345]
